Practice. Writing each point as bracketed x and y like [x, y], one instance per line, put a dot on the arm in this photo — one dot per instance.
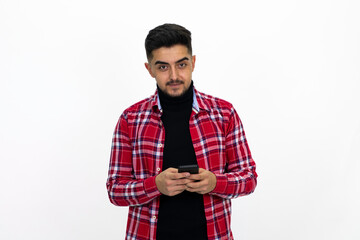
[122, 186]
[240, 178]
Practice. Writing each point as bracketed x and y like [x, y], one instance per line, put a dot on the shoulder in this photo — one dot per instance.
[211, 103]
[144, 106]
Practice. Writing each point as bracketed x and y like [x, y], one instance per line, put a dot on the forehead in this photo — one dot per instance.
[170, 54]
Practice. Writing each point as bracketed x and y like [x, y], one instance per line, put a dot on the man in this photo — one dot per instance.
[178, 126]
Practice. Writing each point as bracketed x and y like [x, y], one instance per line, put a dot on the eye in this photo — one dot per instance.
[162, 67]
[182, 65]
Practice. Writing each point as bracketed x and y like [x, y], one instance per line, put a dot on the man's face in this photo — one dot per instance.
[172, 68]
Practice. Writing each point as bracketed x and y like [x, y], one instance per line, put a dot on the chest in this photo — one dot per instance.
[206, 130]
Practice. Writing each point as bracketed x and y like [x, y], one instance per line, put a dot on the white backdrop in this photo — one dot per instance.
[69, 68]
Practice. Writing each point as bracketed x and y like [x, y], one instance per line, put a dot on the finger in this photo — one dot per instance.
[175, 193]
[196, 190]
[174, 175]
[180, 175]
[196, 177]
[176, 189]
[194, 185]
[182, 181]
[200, 190]
[201, 175]
[191, 190]
[171, 170]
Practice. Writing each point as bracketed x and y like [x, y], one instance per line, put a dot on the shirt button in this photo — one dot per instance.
[160, 145]
[158, 169]
[154, 217]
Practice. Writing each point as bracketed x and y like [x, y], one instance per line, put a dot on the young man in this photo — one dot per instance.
[178, 126]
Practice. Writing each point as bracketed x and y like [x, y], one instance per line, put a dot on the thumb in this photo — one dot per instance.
[172, 170]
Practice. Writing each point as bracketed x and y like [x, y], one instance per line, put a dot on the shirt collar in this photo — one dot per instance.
[202, 103]
[198, 101]
[195, 104]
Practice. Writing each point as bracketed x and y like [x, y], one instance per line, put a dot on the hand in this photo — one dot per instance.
[171, 183]
[202, 183]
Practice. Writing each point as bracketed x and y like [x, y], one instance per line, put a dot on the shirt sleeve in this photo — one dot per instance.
[123, 189]
[240, 178]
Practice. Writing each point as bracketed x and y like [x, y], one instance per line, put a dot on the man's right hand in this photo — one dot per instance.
[171, 183]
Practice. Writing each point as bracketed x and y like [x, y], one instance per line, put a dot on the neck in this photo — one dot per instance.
[176, 103]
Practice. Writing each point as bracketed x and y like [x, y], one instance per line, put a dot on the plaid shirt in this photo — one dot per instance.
[137, 153]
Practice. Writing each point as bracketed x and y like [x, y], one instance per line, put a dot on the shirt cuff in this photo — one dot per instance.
[151, 188]
[221, 184]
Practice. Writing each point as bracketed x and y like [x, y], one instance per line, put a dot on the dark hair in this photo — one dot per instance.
[167, 35]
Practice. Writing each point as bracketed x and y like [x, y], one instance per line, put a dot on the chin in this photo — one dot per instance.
[176, 93]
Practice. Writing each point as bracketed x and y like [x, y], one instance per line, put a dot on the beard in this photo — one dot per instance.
[179, 93]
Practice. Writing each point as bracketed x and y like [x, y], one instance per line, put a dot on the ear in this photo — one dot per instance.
[193, 59]
[148, 67]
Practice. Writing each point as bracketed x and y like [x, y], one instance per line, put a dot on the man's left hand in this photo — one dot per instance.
[203, 182]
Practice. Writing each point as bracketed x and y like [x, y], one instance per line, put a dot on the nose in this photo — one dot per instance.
[173, 74]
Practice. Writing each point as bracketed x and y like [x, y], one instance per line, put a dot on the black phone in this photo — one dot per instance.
[192, 169]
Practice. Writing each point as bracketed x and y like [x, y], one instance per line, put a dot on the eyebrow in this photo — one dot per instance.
[160, 62]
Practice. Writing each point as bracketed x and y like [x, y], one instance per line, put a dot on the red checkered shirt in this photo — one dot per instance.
[137, 155]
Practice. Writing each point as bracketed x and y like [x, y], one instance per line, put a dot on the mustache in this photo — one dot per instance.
[175, 82]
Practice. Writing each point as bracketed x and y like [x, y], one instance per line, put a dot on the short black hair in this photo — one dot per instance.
[167, 35]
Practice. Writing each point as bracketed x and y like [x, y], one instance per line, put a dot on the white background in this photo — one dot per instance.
[69, 68]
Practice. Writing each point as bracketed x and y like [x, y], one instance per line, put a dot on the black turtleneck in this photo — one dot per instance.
[181, 216]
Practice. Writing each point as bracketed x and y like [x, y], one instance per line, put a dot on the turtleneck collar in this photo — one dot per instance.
[176, 103]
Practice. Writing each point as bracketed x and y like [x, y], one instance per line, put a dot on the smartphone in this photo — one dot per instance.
[192, 169]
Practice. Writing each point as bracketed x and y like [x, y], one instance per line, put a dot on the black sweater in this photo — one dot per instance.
[181, 216]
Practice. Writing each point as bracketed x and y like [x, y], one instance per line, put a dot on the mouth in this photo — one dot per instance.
[175, 83]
